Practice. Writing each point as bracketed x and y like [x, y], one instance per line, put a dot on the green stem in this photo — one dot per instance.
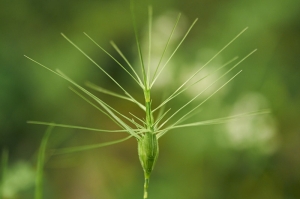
[149, 123]
[149, 117]
[146, 185]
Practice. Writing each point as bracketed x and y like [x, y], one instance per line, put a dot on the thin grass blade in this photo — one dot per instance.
[149, 45]
[114, 60]
[76, 127]
[165, 49]
[103, 104]
[94, 105]
[128, 63]
[124, 125]
[105, 91]
[219, 52]
[4, 166]
[177, 92]
[190, 115]
[70, 88]
[100, 101]
[174, 51]
[88, 147]
[209, 87]
[40, 165]
[222, 120]
[79, 49]
[138, 44]
[199, 104]
[143, 122]
[160, 118]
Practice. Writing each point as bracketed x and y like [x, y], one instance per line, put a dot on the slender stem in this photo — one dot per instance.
[150, 127]
[149, 116]
[146, 185]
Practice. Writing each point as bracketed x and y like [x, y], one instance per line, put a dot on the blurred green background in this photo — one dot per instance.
[254, 157]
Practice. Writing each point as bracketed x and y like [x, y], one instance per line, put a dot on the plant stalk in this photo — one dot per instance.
[148, 144]
[146, 185]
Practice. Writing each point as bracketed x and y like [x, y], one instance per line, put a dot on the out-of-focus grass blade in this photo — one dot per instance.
[4, 164]
[40, 165]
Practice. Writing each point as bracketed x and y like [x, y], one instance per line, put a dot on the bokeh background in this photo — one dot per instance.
[253, 157]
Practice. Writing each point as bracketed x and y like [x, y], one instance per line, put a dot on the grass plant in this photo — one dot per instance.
[158, 121]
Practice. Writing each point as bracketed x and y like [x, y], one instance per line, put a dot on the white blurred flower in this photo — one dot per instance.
[253, 131]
